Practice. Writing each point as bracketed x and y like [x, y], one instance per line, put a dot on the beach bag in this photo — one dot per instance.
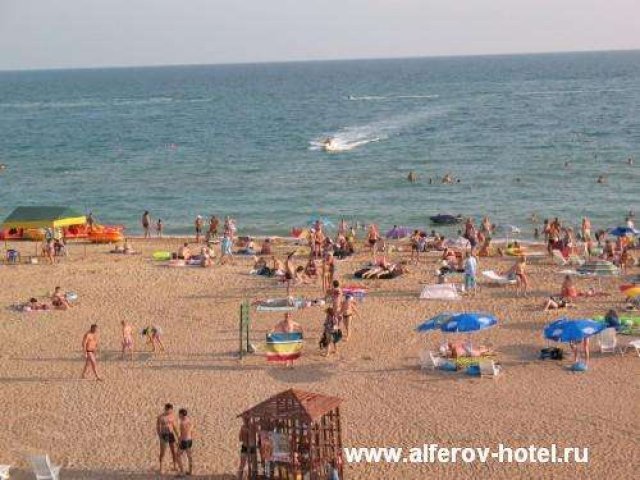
[551, 353]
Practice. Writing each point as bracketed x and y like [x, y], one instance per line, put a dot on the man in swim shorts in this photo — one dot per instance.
[186, 440]
[90, 343]
[167, 433]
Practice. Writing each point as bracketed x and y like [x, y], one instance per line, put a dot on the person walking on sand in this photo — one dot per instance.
[522, 281]
[348, 310]
[470, 273]
[167, 434]
[199, 223]
[186, 440]
[146, 224]
[159, 228]
[127, 339]
[90, 343]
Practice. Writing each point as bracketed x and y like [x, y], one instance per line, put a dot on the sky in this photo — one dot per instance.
[99, 33]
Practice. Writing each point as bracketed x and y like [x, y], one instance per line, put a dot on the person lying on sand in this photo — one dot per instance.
[466, 349]
[59, 300]
[556, 302]
[33, 305]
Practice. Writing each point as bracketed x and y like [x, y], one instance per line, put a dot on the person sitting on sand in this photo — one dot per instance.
[277, 268]
[154, 337]
[265, 248]
[568, 289]
[260, 267]
[205, 257]
[183, 252]
[59, 299]
[311, 269]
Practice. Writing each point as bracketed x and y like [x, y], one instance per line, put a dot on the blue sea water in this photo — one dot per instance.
[243, 140]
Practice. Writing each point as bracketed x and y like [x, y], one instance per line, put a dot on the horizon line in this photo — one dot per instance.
[319, 60]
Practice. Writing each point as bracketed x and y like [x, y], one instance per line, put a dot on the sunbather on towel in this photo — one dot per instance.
[465, 349]
[557, 302]
[33, 306]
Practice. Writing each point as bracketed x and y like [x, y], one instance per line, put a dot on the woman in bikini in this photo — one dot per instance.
[522, 281]
[127, 339]
[372, 238]
[349, 309]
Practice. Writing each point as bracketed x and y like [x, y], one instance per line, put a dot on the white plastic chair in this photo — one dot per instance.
[429, 360]
[635, 344]
[4, 472]
[489, 368]
[607, 340]
[43, 468]
[558, 258]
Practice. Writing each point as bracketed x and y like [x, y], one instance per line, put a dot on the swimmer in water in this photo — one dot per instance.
[629, 161]
[566, 164]
[601, 179]
[2, 166]
[412, 177]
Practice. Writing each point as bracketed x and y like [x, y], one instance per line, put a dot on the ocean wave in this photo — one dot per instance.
[356, 98]
[569, 92]
[86, 103]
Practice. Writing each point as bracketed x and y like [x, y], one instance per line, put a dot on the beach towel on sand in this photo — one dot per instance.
[497, 279]
[282, 347]
[445, 291]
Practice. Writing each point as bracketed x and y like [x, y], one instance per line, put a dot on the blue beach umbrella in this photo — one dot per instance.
[434, 323]
[572, 330]
[623, 231]
[468, 322]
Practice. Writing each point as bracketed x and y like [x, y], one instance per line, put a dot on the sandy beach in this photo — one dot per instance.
[105, 430]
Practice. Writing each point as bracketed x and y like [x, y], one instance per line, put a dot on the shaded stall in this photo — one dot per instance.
[30, 220]
[294, 435]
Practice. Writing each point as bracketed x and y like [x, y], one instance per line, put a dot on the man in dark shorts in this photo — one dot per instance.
[167, 433]
[186, 440]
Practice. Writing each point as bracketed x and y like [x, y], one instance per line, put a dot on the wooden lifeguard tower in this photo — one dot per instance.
[294, 435]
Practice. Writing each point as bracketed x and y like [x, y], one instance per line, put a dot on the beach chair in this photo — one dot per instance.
[12, 256]
[635, 344]
[559, 259]
[576, 260]
[43, 468]
[429, 360]
[4, 472]
[607, 340]
[489, 368]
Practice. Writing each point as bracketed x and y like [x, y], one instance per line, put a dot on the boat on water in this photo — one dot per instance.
[330, 145]
[445, 219]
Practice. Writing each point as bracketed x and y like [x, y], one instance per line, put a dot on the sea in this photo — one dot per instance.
[524, 134]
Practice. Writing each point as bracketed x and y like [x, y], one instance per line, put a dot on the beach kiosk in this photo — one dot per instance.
[294, 435]
[33, 219]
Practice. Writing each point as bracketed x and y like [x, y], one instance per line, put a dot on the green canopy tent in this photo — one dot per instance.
[43, 217]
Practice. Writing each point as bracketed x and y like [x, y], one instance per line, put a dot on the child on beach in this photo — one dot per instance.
[159, 228]
[154, 334]
[127, 339]
[226, 248]
[331, 334]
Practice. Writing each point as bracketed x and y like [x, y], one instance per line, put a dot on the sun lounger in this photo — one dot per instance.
[607, 340]
[280, 305]
[635, 344]
[4, 472]
[489, 368]
[558, 258]
[43, 469]
[496, 279]
[430, 360]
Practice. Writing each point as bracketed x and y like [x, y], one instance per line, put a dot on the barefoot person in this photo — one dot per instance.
[287, 325]
[127, 339]
[167, 433]
[199, 224]
[186, 440]
[59, 299]
[247, 448]
[349, 309]
[90, 343]
[146, 224]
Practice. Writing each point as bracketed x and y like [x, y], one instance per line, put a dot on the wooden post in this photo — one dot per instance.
[244, 327]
